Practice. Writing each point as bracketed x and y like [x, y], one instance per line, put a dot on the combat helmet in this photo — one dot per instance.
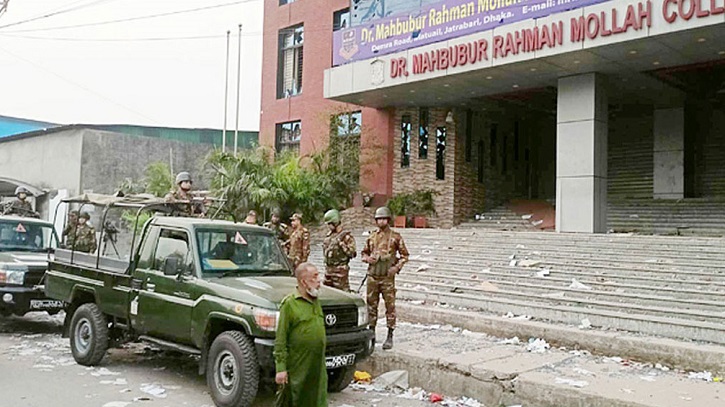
[183, 176]
[383, 212]
[20, 190]
[332, 216]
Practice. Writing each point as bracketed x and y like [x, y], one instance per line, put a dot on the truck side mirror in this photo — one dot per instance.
[171, 266]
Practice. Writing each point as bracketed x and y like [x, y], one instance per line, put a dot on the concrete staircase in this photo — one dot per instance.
[704, 217]
[671, 287]
[500, 218]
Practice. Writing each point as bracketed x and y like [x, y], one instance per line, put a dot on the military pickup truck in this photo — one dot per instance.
[204, 287]
[24, 247]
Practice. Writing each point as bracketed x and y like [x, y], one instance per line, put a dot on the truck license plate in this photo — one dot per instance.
[334, 362]
[45, 304]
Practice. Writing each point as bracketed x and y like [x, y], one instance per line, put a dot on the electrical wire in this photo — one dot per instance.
[140, 39]
[55, 13]
[124, 20]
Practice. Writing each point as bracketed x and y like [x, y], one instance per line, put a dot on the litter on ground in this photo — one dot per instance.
[575, 284]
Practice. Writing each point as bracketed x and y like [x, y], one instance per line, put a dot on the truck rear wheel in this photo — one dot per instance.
[338, 379]
[88, 335]
[232, 370]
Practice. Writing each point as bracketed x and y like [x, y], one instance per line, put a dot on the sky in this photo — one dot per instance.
[75, 67]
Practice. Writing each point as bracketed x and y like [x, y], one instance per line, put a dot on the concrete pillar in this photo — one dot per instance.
[581, 154]
[669, 153]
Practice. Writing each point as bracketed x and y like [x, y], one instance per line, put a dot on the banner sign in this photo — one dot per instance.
[438, 21]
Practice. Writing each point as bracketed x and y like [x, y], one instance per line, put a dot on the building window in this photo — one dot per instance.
[341, 19]
[283, 2]
[347, 124]
[288, 136]
[441, 153]
[289, 74]
[469, 135]
[405, 141]
[423, 119]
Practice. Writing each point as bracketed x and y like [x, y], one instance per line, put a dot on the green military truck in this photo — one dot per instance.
[205, 287]
[24, 246]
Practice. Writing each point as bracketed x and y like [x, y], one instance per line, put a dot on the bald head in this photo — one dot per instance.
[308, 279]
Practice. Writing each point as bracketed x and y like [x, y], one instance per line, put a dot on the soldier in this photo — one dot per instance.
[298, 245]
[21, 206]
[338, 249]
[385, 253]
[251, 218]
[279, 228]
[85, 236]
[183, 198]
[69, 232]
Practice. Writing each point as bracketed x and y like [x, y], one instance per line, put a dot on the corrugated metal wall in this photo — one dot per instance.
[630, 155]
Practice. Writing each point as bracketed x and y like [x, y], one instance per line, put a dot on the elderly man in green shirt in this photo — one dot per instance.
[299, 348]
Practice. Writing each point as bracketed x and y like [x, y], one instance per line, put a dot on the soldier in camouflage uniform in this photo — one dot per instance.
[298, 245]
[338, 249]
[85, 236]
[385, 253]
[280, 229]
[21, 206]
[69, 232]
[182, 197]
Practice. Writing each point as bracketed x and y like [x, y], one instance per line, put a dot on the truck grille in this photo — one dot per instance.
[340, 318]
[33, 276]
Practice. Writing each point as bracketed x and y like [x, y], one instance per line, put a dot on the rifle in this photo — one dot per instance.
[362, 283]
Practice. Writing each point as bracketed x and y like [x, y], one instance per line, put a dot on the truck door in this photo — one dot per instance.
[165, 302]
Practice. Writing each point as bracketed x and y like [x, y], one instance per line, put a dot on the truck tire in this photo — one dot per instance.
[338, 379]
[232, 370]
[88, 335]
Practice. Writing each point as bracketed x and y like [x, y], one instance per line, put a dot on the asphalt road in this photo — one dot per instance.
[38, 370]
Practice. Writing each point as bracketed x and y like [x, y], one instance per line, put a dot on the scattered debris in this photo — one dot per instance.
[662, 367]
[628, 391]
[417, 302]
[117, 382]
[154, 389]
[529, 263]
[486, 270]
[426, 251]
[436, 398]
[527, 217]
[510, 341]
[423, 267]
[543, 273]
[520, 246]
[571, 382]
[510, 315]
[586, 324]
[512, 263]
[583, 372]
[420, 288]
[104, 372]
[537, 222]
[117, 404]
[366, 233]
[362, 377]
[647, 378]
[575, 284]
[706, 376]
[537, 345]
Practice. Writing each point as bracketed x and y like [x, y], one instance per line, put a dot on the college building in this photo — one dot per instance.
[580, 103]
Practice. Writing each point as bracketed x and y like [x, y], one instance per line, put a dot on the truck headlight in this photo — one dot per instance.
[362, 315]
[266, 319]
[11, 273]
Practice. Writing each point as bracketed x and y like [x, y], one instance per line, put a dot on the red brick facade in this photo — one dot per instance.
[310, 107]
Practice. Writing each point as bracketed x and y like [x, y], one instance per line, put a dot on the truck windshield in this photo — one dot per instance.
[236, 251]
[24, 236]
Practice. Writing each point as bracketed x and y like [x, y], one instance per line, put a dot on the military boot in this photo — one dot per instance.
[389, 342]
[372, 328]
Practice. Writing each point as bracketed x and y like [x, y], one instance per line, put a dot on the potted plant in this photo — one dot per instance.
[397, 205]
[421, 205]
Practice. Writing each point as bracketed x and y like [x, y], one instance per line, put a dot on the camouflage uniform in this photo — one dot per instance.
[21, 208]
[382, 246]
[85, 238]
[183, 203]
[338, 249]
[298, 246]
[69, 235]
[279, 229]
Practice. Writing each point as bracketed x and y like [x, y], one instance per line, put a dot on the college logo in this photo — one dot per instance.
[349, 44]
[377, 72]
[330, 319]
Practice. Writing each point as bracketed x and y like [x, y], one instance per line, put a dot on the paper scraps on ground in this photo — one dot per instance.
[391, 380]
[571, 382]
[154, 389]
[575, 284]
[537, 345]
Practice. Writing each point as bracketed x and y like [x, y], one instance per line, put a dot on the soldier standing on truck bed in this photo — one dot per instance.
[69, 232]
[338, 249]
[182, 197]
[21, 206]
[85, 235]
[276, 226]
[385, 253]
[298, 245]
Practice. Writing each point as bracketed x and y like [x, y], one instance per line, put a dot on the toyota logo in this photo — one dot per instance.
[330, 319]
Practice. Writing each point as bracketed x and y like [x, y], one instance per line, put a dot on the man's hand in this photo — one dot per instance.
[366, 259]
[281, 378]
[393, 271]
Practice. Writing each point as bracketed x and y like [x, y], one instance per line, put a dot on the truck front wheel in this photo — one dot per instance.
[338, 379]
[88, 335]
[232, 370]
